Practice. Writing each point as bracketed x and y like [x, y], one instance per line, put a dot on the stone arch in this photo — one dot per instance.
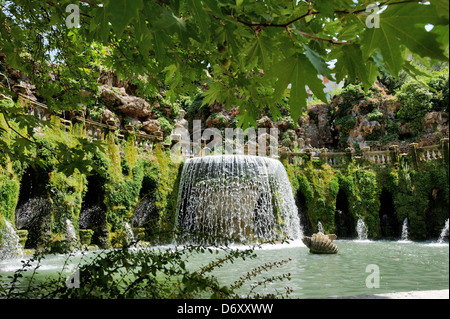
[343, 219]
[389, 225]
[93, 211]
[302, 208]
[33, 210]
[437, 213]
[32, 184]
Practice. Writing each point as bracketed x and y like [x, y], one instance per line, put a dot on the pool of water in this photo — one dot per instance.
[360, 268]
[402, 266]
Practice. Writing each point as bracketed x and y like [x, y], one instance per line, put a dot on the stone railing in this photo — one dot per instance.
[94, 130]
[417, 155]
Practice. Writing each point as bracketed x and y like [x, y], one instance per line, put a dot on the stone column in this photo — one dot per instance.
[445, 151]
[395, 157]
[413, 154]
[349, 157]
[323, 158]
[308, 154]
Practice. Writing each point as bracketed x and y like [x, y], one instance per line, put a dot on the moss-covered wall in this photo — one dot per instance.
[421, 196]
[9, 191]
[10, 173]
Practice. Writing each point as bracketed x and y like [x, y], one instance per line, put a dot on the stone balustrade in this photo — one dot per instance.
[94, 130]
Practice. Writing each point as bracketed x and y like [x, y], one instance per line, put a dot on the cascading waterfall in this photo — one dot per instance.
[361, 229]
[405, 231]
[244, 198]
[444, 233]
[10, 246]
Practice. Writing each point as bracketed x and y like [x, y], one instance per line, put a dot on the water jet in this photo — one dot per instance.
[361, 229]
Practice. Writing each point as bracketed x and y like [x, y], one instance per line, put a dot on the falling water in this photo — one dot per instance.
[320, 227]
[10, 246]
[361, 229]
[144, 212]
[239, 197]
[444, 233]
[405, 232]
[71, 236]
[129, 233]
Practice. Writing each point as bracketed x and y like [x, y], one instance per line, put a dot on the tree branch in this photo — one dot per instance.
[323, 39]
[258, 26]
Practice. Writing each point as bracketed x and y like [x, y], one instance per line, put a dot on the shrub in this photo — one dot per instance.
[416, 102]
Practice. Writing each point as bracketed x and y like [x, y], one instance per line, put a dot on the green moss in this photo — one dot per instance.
[122, 196]
[320, 188]
[9, 192]
[414, 194]
[66, 195]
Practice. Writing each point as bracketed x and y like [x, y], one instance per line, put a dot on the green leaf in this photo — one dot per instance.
[299, 72]
[365, 72]
[441, 7]
[122, 12]
[258, 52]
[248, 113]
[318, 62]
[201, 18]
[403, 25]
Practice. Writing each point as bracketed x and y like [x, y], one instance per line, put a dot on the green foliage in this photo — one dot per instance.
[415, 188]
[391, 83]
[440, 83]
[148, 274]
[66, 194]
[416, 102]
[350, 94]
[320, 188]
[247, 52]
[411, 191]
[9, 192]
[122, 196]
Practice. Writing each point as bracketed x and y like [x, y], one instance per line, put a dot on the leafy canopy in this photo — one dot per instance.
[250, 53]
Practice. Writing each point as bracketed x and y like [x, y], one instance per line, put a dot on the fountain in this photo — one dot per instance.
[71, 236]
[10, 246]
[34, 216]
[444, 233]
[405, 232]
[320, 227]
[129, 234]
[244, 198]
[361, 229]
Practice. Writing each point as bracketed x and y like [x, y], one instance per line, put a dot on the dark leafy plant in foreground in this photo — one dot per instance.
[155, 273]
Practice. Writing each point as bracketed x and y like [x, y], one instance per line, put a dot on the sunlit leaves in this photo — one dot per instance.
[404, 26]
[298, 71]
[247, 52]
